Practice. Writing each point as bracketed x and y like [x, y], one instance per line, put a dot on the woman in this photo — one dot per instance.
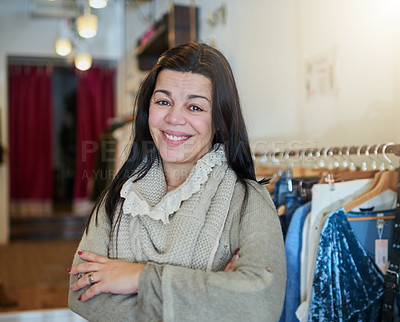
[163, 241]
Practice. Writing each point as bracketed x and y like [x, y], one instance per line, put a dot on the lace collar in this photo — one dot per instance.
[135, 205]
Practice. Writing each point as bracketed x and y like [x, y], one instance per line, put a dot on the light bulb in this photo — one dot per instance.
[63, 46]
[87, 25]
[98, 4]
[83, 61]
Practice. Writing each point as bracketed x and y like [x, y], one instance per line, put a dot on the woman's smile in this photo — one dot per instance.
[175, 137]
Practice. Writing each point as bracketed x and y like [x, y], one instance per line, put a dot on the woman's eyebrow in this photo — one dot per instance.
[192, 96]
[163, 91]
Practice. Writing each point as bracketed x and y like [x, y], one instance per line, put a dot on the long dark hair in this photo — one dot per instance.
[227, 118]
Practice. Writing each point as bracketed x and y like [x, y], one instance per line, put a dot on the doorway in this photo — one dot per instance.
[53, 109]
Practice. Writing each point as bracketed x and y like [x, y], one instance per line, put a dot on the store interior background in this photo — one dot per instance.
[310, 73]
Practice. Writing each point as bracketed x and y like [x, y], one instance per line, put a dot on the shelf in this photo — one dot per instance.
[155, 45]
[175, 28]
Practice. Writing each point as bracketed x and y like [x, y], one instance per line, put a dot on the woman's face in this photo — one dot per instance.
[180, 119]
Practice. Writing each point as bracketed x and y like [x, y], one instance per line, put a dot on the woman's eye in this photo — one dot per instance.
[162, 102]
[195, 108]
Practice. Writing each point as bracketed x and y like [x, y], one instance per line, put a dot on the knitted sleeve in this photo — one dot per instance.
[103, 307]
[253, 292]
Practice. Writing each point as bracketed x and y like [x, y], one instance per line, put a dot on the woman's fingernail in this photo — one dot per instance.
[68, 270]
[236, 251]
[236, 257]
[79, 298]
[80, 252]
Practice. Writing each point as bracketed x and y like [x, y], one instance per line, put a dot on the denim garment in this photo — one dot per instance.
[347, 284]
[283, 186]
[293, 244]
[291, 192]
[366, 231]
[286, 185]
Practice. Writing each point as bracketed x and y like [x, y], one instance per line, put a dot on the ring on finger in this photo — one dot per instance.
[90, 278]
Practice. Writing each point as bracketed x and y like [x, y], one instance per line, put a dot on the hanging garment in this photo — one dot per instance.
[347, 285]
[293, 245]
[289, 194]
[324, 201]
[367, 231]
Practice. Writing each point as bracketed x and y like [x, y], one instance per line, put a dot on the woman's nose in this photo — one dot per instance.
[176, 116]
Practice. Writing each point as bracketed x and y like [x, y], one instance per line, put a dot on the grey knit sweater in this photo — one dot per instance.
[187, 291]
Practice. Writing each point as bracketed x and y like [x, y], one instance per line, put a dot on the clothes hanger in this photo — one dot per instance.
[390, 167]
[382, 165]
[370, 218]
[301, 163]
[347, 175]
[352, 165]
[383, 181]
[331, 153]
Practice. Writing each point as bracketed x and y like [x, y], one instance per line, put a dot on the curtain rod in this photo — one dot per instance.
[338, 151]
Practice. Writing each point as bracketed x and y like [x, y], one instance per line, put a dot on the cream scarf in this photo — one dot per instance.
[181, 227]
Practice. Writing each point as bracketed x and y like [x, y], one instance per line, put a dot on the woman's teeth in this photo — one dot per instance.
[175, 138]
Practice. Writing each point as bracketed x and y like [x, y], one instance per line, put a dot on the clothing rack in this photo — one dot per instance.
[387, 148]
[353, 157]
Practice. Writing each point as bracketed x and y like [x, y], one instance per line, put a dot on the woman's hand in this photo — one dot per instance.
[231, 265]
[106, 275]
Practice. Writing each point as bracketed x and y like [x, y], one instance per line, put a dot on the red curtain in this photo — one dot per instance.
[31, 127]
[95, 107]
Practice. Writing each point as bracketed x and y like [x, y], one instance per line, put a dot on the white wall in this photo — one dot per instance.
[259, 40]
[364, 36]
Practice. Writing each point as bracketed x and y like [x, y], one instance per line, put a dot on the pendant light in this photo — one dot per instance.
[63, 46]
[87, 24]
[83, 61]
[98, 4]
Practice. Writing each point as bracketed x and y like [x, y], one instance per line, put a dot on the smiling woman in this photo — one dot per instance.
[184, 230]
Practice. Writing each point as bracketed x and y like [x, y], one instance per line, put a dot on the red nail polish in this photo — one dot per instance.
[68, 270]
[80, 252]
[236, 251]
[79, 298]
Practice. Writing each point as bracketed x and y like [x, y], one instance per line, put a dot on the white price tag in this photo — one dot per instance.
[381, 254]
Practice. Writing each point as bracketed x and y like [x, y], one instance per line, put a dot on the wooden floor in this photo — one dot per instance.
[35, 273]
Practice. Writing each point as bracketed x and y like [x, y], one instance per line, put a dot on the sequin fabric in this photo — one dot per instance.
[347, 284]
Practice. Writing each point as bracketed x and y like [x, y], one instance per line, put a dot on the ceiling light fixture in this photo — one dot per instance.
[83, 61]
[98, 4]
[63, 46]
[87, 24]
